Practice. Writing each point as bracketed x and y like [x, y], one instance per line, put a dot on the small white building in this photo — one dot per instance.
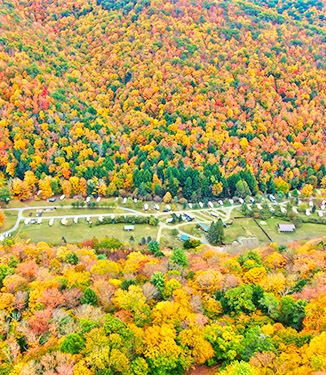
[129, 228]
[169, 220]
[323, 207]
[62, 197]
[100, 219]
[190, 205]
[308, 212]
[168, 207]
[39, 221]
[260, 207]
[311, 204]
[320, 213]
[210, 205]
[112, 217]
[231, 202]
[64, 221]
[295, 210]
[241, 201]
[1, 238]
[145, 206]
[201, 204]
[98, 199]
[88, 199]
[27, 221]
[124, 201]
[157, 207]
[220, 202]
[51, 221]
[88, 219]
[283, 209]
[286, 228]
[75, 220]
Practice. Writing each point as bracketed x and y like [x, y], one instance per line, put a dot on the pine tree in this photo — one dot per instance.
[215, 234]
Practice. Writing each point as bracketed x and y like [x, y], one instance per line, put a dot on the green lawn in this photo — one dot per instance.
[168, 240]
[10, 220]
[248, 228]
[243, 228]
[78, 211]
[76, 233]
[307, 231]
[191, 229]
[35, 203]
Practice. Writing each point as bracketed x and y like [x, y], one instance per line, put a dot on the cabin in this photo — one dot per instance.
[129, 228]
[204, 227]
[286, 228]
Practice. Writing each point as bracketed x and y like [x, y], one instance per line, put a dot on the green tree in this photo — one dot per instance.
[153, 246]
[215, 234]
[242, 189]
[292, 313]
[5, 196]
[90, 297]
[179, 257]
[73, 344]
[239, 299]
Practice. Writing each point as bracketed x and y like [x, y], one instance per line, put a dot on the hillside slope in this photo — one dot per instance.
[101, 90]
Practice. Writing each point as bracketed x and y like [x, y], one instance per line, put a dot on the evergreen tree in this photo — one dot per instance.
[215, 234]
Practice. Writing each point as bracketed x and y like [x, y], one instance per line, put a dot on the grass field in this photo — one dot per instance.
[170, 241]
[248, 228]
[76, 233]
[244, 228]
[10, 220]
[78, 211]
[307, 231]
[191, 229]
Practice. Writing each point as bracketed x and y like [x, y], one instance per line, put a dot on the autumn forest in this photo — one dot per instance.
[191, 130]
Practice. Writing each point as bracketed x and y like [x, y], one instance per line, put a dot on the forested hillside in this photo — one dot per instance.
[104, 308]
[147, 96]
